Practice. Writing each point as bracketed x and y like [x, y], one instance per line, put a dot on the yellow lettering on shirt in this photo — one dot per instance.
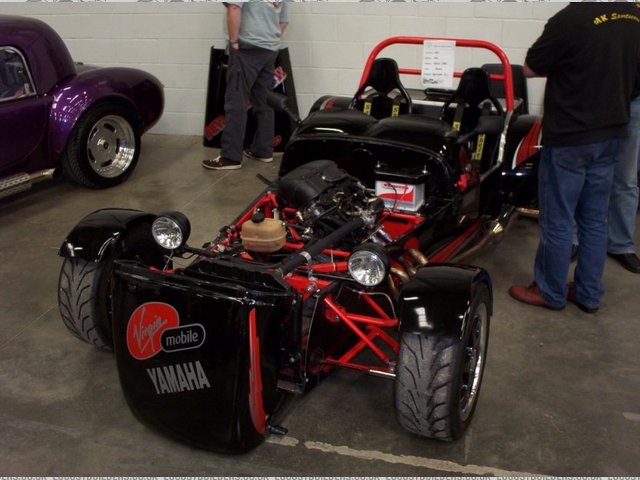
[600, 19]
[616, 16]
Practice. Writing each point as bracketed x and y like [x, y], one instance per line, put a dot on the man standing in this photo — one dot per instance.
[254, 30]
[590, 54]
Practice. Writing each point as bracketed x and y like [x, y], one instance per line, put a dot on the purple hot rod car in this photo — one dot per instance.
[59, 116]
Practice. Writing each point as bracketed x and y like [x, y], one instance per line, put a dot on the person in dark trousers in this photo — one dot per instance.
[254, 30]
[624, 197]
[590, 54]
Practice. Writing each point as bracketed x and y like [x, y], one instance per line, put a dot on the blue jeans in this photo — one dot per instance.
[624, 196]
[574, 185]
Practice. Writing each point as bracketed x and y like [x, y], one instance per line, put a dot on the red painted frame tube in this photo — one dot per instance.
[460, 42]
[269, 200]
[345, 359]
[328, 267]
[335, 253]
[378, 322]
[300, 284]
[377, 308]
[329, 303]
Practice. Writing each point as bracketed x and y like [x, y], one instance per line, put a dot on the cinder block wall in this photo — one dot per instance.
[328, 41]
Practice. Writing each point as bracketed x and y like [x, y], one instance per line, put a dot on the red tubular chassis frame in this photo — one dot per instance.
[368, 329]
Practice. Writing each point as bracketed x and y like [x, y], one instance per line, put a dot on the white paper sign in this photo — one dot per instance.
[438, 59]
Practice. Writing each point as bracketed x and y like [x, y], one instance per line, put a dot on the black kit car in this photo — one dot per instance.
[355, 257]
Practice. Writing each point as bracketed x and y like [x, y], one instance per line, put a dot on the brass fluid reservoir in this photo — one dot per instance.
[263, 235]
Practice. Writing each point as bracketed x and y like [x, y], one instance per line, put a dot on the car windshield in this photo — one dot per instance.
[14, 77]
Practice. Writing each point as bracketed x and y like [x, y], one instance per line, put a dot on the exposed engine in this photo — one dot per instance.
[325, 198]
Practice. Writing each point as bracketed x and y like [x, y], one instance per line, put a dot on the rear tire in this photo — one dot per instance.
[439, 377]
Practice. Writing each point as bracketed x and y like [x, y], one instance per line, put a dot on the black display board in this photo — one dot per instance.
[214, 114]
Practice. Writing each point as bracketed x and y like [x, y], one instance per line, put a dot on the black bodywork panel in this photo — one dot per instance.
[183, 348]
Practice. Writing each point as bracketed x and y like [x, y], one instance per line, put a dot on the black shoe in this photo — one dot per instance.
[220, 163]
[630, 261]
[571, 297]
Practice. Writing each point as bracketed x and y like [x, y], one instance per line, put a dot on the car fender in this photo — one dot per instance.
[523, 141]
[101, 232]
[519, 184]
[138, 90]
[437, 299]
[330, 101]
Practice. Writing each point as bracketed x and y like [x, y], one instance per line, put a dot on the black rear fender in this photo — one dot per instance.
[437, 299]
[330, 101]
[523, 141]
[521, 158]
[101, 232]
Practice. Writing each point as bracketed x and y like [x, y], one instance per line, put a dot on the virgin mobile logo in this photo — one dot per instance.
[145, 328]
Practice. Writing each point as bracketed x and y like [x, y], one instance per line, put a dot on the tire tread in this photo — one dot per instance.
[425, 373]
[77, 298]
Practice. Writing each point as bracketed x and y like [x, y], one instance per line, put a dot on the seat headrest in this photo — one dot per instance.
[384, 75]
[473, 86]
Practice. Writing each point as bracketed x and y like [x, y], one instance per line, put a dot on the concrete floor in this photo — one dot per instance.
[561, 393]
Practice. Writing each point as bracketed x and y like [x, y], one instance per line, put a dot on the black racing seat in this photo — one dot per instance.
[470, 98]
[473, 98]
[519, 84]
[382, 94]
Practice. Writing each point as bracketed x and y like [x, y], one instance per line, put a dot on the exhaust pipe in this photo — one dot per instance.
[23, 182]
[528, 212]
[495, 234]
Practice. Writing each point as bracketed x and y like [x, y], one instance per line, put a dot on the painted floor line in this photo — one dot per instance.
[634, 417]
[413, 461]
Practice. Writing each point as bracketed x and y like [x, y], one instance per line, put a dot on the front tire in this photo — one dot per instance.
[104, 147]
[439, 377]
[82, 297]
[84, 286]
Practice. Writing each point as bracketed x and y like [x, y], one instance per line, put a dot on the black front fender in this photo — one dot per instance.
[438, 297]
[100, 231]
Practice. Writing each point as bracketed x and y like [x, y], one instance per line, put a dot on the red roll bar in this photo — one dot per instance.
[460, 42]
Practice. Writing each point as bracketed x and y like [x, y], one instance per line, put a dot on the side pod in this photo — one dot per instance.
[437, 299]
[101, 231]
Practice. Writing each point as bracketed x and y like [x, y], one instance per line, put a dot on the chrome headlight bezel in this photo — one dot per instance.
[171, 230]
[369, 264]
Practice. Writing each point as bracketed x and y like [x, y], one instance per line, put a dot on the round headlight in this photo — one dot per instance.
[171, 230]
[369, 265]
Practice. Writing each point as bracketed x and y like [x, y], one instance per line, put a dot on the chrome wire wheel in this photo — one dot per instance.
[475, 357]
[111, 146]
